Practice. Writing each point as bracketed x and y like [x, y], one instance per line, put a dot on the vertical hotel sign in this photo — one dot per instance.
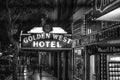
[102, 7]
[46, 41]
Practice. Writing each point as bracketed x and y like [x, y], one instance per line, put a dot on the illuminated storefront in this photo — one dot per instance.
[103, 46]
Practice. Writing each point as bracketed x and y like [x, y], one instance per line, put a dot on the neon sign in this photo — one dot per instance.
[102, 5]
[46, 40]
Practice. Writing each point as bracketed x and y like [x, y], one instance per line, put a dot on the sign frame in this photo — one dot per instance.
[63, 47]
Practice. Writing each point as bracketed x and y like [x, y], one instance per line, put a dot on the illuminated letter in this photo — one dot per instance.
[55, 36]
[43, 36]
[53, 44]
[41, 44]
[47, 43]
[33, 37]
[30, 38]
[60, 37]
[65, 39]
[25, 40]
[69, 40]
[38, 36]
[35, 44]
[48, 35]
[58, 45]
